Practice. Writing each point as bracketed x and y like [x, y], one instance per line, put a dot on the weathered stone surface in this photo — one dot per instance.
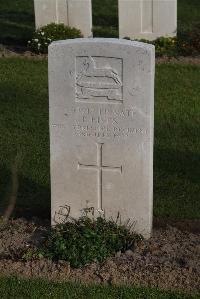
[50, 11]
[74, 13]
[147, 19]
[101, 129]
[80, 16]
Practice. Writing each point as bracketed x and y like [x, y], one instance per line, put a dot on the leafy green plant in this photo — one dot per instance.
[31, 254]
[43, 36]
[86, 240]
[164, 46]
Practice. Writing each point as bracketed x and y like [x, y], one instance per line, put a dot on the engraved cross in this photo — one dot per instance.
[99, 167]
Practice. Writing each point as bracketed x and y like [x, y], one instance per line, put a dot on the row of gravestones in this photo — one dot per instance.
[146, 19]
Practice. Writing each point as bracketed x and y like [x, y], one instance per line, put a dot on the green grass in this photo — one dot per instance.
[18, 288]
[177, 146]
[105, 18]
[24, 130]
[17, 18]
[188, 13]
[16, 21]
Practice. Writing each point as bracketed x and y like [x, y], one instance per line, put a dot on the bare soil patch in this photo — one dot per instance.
[179, 60]
[192, 226]
[170, 259]
[19, 52]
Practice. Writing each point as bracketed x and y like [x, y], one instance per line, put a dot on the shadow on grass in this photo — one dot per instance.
[32, 199]
[14, 34]
[176, 184]
[16, 23]
[183, 164]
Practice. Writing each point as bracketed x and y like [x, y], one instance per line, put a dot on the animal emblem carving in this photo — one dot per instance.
[92, 81]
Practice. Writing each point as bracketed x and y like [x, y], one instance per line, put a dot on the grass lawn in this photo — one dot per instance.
[17, 18]
[177, 147]
[188, 13]
[18, 288]
[24, 133]
[16, 21]
[24, 127]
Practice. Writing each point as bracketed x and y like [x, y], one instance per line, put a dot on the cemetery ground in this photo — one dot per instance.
[170, 259]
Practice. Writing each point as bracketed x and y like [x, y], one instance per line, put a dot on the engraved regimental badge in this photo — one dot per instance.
[99, 79]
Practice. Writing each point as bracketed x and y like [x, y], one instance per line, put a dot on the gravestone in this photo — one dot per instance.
[73, 13]
[147, 19]
[101, 129]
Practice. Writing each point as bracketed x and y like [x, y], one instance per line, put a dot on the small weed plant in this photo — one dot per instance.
[86, 240]
[43, 36]
[164, 46]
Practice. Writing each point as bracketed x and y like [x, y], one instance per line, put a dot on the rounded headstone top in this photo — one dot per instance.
[115, 41]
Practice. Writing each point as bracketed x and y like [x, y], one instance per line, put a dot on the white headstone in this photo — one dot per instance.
[148, 19]
[101, 129]
[73, 13]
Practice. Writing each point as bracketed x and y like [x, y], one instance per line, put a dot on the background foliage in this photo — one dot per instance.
[43, 36]
[17, 19]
